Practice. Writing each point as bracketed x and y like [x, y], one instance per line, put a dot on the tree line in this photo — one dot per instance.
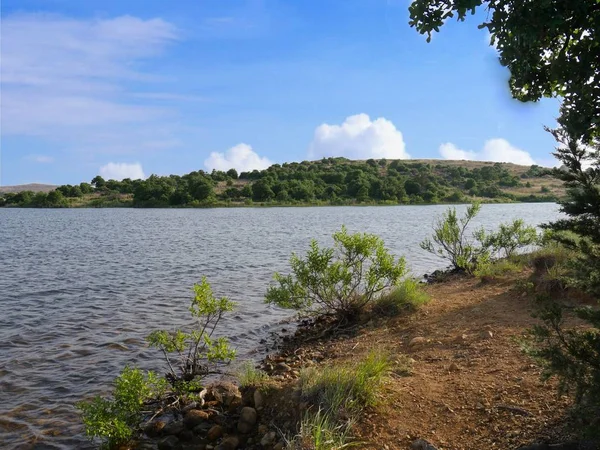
[327, 181]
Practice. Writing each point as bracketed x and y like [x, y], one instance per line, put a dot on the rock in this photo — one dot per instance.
[229, 443]
[173, 428]
[422, 444]
[195, 417]
[215, 432]
[417, 341]
[486, 334]
[203, 428]
[248, 415]
[186, 435]
[223, 393]
[268, 439]
[258, 399]
[282, 367]
[154, 428]
[453, 368]
[169, 443]
[262, 429]
[279, 446]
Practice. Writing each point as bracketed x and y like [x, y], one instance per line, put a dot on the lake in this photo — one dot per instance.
[81, 288]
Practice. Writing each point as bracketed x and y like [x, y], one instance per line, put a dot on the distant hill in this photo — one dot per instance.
[33, 187]
[329, 181]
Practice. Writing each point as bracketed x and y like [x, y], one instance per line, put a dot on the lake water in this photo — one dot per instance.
[81, 288]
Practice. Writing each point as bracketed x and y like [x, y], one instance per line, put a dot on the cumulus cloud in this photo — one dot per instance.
[497, 150]
[77, 74]
[119, 171]
[359, 137]
[241, 158]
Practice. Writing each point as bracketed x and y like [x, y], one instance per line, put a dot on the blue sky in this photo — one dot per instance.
[131, 88]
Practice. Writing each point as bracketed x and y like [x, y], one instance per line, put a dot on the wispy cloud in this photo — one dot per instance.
[66, 80]
[41, 159]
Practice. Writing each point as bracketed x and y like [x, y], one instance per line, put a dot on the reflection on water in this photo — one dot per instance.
[80, 289]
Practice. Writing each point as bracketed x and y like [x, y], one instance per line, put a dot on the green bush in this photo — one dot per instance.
[190, 356]
[510, 237]
[407, 295]
[115, 419]
[450, 240]
[338, 281]
[571, 355]
[498, 268]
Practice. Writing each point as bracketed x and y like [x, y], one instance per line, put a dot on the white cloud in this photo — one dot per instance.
[241, 157]
[41, 159]
[359, 137]
[77, 73]
[119, 171]
[497, 150]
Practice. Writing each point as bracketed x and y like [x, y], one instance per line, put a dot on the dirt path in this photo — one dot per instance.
[470, 386]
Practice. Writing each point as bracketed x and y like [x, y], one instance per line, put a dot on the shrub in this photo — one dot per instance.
[407, 295]
[572, 355]
[196, 352]
[338, 281]
[450, 241]
[510, 237]
[114, 420]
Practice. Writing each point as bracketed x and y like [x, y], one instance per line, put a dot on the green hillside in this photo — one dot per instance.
[330, 181]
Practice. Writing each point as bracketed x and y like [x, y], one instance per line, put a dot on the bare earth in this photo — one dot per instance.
[470, 385]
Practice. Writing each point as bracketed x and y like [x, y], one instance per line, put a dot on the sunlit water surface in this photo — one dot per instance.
[81, 288]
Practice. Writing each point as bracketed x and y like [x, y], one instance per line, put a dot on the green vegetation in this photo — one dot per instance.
[330, 181]
[339, 394]
[451, 241]
[248, 375]
[406, 295]
[339, 281]
[510, 237]
[114, 420]
[197, 350]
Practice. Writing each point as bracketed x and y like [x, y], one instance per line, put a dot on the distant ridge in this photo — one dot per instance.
[34, 187]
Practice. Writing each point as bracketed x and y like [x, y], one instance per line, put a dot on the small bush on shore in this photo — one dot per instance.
[191, 356]
[407, 295]
[510, 237]
[115, 419]
[339, 281]
[451, 242]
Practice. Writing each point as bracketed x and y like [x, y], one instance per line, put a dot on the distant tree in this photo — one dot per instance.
[98, 182]
[232, 173]
[86, 188]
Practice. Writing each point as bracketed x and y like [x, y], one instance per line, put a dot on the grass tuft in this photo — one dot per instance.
[499, 268]
[408, 295]
[249, 376]
[344, 391]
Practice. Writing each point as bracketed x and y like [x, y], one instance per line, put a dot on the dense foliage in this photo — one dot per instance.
[328, 181]
[114, 419]
[339, 280]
